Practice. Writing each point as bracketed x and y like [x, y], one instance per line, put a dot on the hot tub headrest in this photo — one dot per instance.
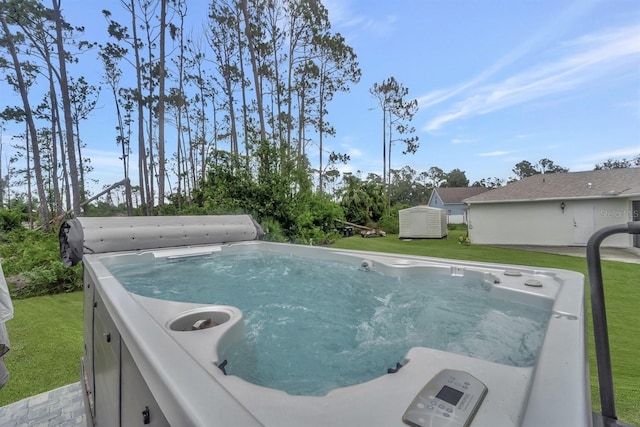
[114, 234]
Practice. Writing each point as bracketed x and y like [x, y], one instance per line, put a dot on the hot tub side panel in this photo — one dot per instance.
[116, 392]
[561, 385]
[106, 368]
[138, 406]
[86, 362]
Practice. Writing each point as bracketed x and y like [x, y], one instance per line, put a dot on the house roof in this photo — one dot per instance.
[570, 185]
[450, 195]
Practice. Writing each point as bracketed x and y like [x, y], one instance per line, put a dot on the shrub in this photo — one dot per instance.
[452, 226]
[312, 230]
[391, 224]
[33, 267]
[10, 219]
[272, 230]
[315, 222]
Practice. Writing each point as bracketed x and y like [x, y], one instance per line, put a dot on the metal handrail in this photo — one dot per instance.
[598, 311]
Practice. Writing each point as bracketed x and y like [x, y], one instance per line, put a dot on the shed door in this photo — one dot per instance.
[419, 224]
[583, 223]
[635, 210]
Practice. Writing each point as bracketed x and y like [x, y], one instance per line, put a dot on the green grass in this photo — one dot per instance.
[621, 293]
[46, 332]
[46, 344]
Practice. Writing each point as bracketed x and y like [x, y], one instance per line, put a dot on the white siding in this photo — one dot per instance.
[456, 219]
[611, 212]
[544, 222]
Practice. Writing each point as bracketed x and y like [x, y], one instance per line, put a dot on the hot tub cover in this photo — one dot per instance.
[115, 234]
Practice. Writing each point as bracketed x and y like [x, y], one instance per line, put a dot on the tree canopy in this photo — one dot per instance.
[525, 168]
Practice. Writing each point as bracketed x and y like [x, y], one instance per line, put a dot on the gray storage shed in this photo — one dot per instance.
[423, 222]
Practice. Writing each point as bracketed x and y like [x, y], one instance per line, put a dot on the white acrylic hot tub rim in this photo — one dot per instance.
[180, 370]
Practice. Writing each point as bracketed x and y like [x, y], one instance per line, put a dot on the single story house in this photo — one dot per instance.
[452, 200]
[562, 209]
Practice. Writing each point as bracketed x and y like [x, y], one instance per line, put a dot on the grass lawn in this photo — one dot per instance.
[46, 345]
[46, 332]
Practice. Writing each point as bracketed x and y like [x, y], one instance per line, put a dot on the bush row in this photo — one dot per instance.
[31, 258]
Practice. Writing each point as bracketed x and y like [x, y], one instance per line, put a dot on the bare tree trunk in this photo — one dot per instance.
[125, 154]
[254, 66]
[44, 212]
[203, 147]
[320, 134]
[29, 194]
[245, 106]
[66, 107]
[180, 153]
[388, 183]
[278, 120]
[63, 163]
[80, 161]
[301, 121]
[150, 133]
[161, 77]
[192, 160]
[203, 130]
[2, 183]
[143, 175]
[54, 150]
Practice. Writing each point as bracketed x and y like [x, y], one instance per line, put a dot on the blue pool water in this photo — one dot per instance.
[313, 325]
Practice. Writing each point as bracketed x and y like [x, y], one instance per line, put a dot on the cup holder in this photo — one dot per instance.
[199, 320]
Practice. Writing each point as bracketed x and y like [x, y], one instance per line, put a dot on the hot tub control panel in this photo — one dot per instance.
[451, 399]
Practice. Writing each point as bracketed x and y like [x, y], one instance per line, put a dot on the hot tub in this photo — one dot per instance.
[164, 362]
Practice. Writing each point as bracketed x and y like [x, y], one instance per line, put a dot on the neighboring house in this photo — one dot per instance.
[557, 209]
[451, 200]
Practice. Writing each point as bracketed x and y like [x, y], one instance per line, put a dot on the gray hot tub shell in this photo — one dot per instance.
[141, 364]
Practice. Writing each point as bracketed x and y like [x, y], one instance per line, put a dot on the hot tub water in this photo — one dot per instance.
[314, 325]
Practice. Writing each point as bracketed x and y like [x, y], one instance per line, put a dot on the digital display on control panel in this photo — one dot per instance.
[450, 395]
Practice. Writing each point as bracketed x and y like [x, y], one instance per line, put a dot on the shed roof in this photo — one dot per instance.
[570, 185]
[458, 194]
[421, 208]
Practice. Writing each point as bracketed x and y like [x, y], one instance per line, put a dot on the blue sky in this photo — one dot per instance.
[498, 81]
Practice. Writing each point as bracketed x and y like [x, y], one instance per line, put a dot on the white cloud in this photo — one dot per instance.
[589, 58]
[355, 153]
[494, 153]
[348, 146]
[439, 121]
[555, 26]
[106, 159]
[628, 153]
[7, 139]
[342, 15]
[461, 141]
[339, 11]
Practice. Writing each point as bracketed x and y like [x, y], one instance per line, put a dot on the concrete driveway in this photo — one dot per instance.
[630, 255]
